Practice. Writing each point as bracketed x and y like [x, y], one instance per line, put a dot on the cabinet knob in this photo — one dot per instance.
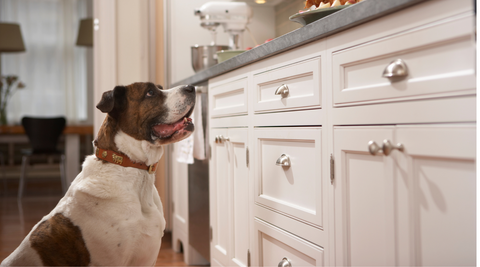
[221, 139]
[386, 149]
[396, 69]
[282, 90]
[283, 161]
[285, 263]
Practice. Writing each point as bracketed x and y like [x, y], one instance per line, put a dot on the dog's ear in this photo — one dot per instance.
[159, 86]
[111, 99]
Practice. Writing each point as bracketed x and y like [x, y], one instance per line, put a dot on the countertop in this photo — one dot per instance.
[341, 20]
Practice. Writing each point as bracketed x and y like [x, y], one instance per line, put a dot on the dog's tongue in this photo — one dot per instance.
[164, 130]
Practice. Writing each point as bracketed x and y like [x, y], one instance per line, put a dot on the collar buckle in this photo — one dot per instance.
[151, 169]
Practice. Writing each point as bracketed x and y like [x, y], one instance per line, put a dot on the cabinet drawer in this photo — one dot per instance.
[302, 80]
[440, 60]
[295, 190]
[276, 246]
[229, 99]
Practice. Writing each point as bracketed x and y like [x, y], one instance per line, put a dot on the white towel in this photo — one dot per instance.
[194, 145]
[198, 137]
[185, 150]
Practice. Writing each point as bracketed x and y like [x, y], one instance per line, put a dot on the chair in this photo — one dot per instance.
[3, 175]
[43, 134]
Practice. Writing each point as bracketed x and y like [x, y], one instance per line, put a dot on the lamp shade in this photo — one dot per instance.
[11, 38]
[85, 33]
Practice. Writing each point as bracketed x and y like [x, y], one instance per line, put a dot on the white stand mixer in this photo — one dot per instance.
[233, 16]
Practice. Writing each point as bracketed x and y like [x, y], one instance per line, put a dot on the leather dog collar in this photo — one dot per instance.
[122, 160]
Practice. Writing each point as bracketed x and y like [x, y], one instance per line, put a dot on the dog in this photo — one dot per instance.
[112, 213]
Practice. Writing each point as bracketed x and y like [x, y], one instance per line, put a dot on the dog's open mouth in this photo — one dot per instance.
[167, 130]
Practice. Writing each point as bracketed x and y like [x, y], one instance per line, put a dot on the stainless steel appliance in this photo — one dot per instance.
[198, 193]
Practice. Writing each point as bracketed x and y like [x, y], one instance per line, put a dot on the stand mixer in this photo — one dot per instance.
[233, 16]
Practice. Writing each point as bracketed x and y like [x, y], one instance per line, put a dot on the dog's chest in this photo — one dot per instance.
[125, 224]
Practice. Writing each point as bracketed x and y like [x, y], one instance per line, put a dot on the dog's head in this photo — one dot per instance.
[145, 111]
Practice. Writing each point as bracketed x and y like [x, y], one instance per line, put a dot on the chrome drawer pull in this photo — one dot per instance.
[285, 263]
[282, 90]
[386, 148]
[283, 161]
[396, 69]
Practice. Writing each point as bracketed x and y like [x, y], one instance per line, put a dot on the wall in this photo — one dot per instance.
[121, 51]
[282, 12]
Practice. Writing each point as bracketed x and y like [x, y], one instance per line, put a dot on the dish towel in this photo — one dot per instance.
[194, 145]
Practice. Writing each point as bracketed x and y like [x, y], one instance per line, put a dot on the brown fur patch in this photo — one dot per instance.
[59, 242]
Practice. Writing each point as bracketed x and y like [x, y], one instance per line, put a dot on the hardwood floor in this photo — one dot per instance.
[17, 219]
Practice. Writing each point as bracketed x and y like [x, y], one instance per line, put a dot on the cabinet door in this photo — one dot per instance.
[239, 196]
[219, 198]
[410, 208]
[363, 204]
[229, 204]
[438, 165]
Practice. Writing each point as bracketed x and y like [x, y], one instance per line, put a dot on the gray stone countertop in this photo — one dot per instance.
[341, 20]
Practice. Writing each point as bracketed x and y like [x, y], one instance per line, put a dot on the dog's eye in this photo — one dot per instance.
[150, 93]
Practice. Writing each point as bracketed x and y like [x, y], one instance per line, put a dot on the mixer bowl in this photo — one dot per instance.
[204, 56]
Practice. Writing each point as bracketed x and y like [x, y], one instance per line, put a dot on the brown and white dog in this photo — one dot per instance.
[111, 214]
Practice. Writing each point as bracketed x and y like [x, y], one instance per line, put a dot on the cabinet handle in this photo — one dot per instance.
[396, 69]
[283, 161]
[282, 90]
[386, 149]
[285, 263]
[221, 139]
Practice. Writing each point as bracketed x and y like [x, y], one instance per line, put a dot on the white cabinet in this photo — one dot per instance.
[291, 187]
[414, 207]
[277, 247]
[334, 203]
[229, 202]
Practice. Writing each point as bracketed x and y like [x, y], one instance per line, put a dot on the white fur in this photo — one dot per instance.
[118, 210]
[138, 151]
[175, 101]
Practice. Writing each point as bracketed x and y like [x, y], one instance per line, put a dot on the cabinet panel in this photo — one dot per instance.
[302, 80]
[229, 99]
[229, 206]
[295, 190]
[219, 195]
[239, 194]
[275, 244]
[441, 171]
[414, 207]
[362, 198]
[439, 59]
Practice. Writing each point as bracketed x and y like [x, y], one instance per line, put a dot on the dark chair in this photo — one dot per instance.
[43, 134]
[3, 175]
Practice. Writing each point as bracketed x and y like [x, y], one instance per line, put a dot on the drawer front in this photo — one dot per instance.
[294, 190]
[229, 99]
[276, 246]
[302, 80]
[439, 58]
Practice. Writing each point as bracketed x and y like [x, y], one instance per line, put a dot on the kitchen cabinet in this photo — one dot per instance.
[229, 206]
[328, 181]
[404, 207]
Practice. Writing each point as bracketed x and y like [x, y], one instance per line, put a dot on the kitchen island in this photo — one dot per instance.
[348, 142]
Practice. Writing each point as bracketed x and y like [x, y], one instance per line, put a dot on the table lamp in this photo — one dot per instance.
[10, 39]
[85, 32]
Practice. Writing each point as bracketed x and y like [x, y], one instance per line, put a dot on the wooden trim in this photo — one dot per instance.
[70, 129]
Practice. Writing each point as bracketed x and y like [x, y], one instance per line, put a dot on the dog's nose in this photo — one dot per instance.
[189, 88]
